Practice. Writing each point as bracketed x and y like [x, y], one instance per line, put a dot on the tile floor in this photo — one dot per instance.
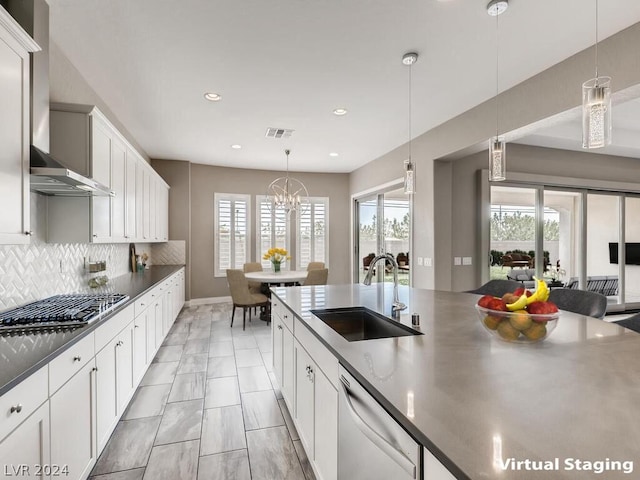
[207, 408]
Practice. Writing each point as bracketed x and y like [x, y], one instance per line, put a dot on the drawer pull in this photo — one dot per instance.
[94, 369]
[120, 343]
[16, 408]
[279, 327]
[136, 326]
[77, 358]
[142, 305]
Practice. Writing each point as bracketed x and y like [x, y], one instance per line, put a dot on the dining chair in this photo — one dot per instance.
[255, 287]
[242, 296]
[315, 266]
[317, 277]
[583, 302]
[497, 288]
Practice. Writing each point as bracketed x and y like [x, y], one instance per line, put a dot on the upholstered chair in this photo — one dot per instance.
[255, 287]
[315, 266]
[317, 277]
[242, 296]
[583, 302]
[497, 288]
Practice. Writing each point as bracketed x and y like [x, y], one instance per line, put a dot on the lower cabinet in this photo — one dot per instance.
[28, 446]
[433, 469]
[73, 444]
[305, 395]
[288, 368]
[140, 356]
[326, 428]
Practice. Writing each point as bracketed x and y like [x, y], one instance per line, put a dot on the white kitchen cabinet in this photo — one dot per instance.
[288, 369]
[326, 427]
[159, 318]
[305, 398]
[27, 446]
[15, 46]
[433, 469]
[85, 141]
[124, 367]
[73, 420]
[139, 350]
[277, 338]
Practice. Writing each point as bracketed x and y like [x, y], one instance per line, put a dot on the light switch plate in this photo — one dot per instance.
[466, 261]
[419, 261]
[428, 262]
[457, 261]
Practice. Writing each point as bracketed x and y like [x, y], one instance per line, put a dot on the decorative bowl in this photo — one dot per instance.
[519, 326]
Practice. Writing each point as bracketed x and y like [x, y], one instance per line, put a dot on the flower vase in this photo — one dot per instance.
[276, 267]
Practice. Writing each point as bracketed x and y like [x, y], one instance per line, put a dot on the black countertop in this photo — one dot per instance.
[22, 355]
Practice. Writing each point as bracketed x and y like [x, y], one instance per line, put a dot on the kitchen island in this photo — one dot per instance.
[486, 408]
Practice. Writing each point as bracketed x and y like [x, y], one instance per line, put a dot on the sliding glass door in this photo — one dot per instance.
[383, 226]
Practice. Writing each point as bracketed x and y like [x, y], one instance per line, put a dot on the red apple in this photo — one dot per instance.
[497, 304]
[484, 301]
[522, 290]
[544, 308]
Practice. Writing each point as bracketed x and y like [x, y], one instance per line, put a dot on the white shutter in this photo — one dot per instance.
[232, 233]
[273, 228]
[312, 235]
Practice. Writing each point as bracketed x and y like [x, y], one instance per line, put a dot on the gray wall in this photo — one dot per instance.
[548, 94]
[192, 218]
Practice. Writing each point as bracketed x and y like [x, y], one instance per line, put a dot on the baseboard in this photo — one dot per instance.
[206, 301]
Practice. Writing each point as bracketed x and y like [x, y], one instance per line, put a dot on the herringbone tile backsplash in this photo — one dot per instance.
[39, 270]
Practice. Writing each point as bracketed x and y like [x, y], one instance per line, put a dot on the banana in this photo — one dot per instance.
[541, 294]
[518, 304]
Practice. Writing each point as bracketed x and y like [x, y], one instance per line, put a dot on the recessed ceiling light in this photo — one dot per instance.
[497, 7]
[213, 97]
[340, 111]
[235, 146]
[333, 154]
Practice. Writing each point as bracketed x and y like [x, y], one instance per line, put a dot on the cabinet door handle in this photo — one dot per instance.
[94, 369]
[16, 408]
[120, 343]
[77, 358]
[95, 235]
[136, 326]
[142, 304]
[279, 327]
[28, 233]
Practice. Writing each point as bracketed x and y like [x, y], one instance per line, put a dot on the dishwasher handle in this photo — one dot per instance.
[382, 443]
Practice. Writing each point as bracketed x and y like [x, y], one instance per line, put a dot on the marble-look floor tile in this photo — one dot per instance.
[222, 430]
[179, 327]
[135, 474]
[248, 358]
[181, 421]
[261, 410]
[267, 358]
[221, 335]
[173, 461]
[221, 349]
[159, 373]
[148, 401]
[175, 339]
[264, 343]
[222, 392]
[221, 367]
[199, 334]
[304, 460]
[275, 385]
[193, 363]
[189, 386]
[200, 345]
[129, 446]
[253, 379]
[171, 353]
[225, 466]
[244, 341]
[272, 455]
[288, 420]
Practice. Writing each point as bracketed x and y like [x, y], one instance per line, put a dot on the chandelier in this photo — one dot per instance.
[288, 193]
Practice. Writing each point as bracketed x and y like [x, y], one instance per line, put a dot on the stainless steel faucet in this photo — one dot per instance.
[397, 304]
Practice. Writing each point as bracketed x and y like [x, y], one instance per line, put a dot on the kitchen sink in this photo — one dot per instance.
[360, 323]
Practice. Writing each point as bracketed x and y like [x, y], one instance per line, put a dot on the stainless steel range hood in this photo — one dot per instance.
[52, 178]
[48, 175]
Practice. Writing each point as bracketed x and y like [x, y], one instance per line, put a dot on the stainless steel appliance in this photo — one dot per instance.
[371, 444]
[60, 311]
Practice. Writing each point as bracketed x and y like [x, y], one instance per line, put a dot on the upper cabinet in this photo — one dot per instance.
[15, 46]
[83, 139]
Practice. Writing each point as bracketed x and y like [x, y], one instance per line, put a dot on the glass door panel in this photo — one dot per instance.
[632, 261]
[513, 233]
[397, 229]
[602, 235]
[368, 233]
[561, 236]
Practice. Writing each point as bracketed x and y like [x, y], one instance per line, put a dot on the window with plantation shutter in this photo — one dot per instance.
[273, 230]
[232, 233]
[312, 239]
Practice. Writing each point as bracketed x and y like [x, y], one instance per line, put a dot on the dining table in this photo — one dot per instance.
[281, 278]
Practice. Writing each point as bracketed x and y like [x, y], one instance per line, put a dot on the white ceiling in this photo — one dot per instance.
[289, 63]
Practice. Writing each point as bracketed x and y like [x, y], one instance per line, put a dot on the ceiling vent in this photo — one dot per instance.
[278, 132]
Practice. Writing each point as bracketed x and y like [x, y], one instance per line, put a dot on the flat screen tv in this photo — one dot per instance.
[632, 253]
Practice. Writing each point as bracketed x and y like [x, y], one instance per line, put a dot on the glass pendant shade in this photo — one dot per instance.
[497, 160]
[409, 178]
[596, 112]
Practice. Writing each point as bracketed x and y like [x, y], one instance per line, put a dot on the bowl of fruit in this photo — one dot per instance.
[521, 316]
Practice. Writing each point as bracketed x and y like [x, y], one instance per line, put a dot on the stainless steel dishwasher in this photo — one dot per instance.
[371, 444]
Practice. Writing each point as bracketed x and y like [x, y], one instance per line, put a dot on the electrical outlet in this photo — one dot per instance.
[419, 261]
[466, 261]
[457, 261]
[428, 262]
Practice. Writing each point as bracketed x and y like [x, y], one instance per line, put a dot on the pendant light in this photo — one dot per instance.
[497, 145]
[288, 193]
[596, 107]
[409, 168]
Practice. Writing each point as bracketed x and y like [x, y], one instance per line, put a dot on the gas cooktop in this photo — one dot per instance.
[60, 311]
